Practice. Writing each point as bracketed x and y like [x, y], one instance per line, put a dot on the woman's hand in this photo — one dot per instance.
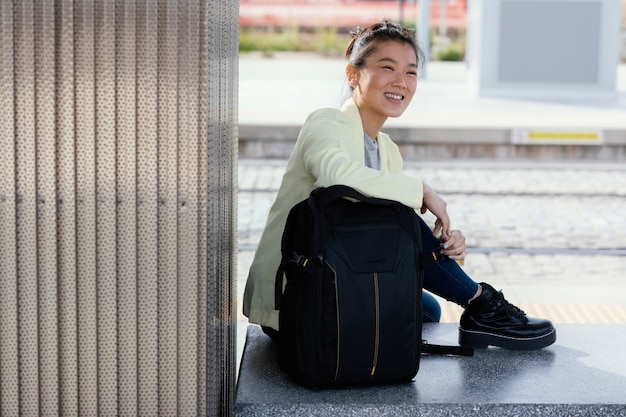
[437, 206]
[453, 245]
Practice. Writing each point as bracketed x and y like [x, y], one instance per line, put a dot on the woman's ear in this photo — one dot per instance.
[352, 74]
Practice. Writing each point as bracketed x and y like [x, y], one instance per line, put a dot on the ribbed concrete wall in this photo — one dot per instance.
[118, 128]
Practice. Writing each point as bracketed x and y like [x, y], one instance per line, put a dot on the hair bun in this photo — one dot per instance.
[356, 31]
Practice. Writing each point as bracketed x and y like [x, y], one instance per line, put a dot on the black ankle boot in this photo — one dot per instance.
[492, 320]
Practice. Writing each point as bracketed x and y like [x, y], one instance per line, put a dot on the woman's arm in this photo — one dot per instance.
[332, 154]
[434, 203]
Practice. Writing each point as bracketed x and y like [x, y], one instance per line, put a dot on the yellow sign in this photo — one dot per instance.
[561, 137]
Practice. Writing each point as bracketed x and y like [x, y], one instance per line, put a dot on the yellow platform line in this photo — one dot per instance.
[557, 313]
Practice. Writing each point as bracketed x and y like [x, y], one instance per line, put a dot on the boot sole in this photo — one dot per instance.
[481, 340]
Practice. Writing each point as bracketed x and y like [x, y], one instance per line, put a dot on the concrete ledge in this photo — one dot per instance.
[583, 374]
[269, 141]
[414, 134]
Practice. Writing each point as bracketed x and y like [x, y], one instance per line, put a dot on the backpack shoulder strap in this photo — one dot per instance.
[430, 349]
[325, 196]
[286, 245]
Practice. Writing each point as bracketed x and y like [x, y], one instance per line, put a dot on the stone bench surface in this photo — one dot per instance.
[582, 374]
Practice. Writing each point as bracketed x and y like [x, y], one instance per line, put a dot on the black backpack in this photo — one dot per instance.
[351, 309]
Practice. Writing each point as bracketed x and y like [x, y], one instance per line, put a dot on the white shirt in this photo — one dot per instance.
[372, 157]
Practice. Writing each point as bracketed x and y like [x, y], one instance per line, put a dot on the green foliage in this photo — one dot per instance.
[454, 52]
[268, 40]
[328, 40]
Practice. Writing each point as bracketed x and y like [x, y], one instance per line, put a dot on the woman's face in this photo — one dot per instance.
[385, 84]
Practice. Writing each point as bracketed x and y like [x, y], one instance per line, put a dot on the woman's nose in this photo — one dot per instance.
[400, 81]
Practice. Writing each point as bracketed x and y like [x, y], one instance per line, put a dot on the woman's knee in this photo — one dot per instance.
[431, 308]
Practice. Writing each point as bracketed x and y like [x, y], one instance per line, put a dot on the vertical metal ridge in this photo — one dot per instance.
[147, 207]
[230, 52]
[168, 194]
[213, 204]
[85, 176]
[9, 370]
[45, 149]
[26, 208]
[221, 148]
[188, 221]
[126, 204]
[106, 201]
[203, 215]
[66, 208]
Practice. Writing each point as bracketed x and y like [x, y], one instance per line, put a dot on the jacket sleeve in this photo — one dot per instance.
[332, 152]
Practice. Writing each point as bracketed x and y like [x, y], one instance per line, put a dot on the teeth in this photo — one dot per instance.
[394, 96]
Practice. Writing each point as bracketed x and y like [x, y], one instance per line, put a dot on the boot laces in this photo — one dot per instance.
[510, 309]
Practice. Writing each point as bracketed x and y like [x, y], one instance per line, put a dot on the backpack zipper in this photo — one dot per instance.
[377, 334]
[337, 317]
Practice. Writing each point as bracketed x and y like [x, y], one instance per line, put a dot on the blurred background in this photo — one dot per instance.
[321, 25]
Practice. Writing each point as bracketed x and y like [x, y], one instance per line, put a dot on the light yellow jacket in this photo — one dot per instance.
[329, 151]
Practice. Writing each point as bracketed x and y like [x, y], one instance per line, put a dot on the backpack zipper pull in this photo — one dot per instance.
[299, 260]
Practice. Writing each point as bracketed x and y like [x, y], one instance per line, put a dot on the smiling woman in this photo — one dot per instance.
[345, 146]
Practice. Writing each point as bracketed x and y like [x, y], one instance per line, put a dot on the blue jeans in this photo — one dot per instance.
[444, 278]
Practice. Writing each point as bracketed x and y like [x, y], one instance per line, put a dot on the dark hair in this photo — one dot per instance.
[365, 41]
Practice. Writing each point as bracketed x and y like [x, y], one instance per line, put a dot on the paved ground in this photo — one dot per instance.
[551, 235]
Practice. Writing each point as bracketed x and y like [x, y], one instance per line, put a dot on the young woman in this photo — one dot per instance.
[345, 146]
